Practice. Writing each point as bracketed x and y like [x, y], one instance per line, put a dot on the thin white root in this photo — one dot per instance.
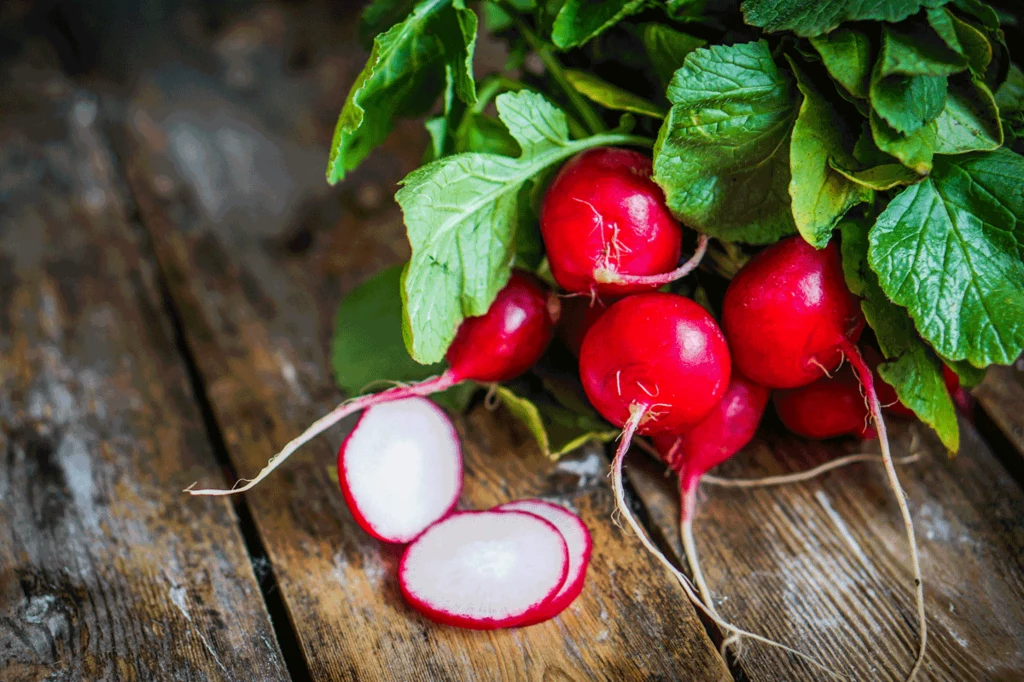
[801, 476]
[868, 383]
[325, 422]
[637, 413]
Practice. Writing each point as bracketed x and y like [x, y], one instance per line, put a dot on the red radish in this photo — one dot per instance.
[498, 345]
[578, 316]
[789, 318]
[606, 228]
[788, 312]
[399, 481]
[578, 542]
[484, 570]
[656, 363]
[656, 360]
[826, 408]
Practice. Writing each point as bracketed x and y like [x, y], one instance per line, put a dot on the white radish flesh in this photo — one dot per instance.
[484, 570]
[578, 542]
[401, 468]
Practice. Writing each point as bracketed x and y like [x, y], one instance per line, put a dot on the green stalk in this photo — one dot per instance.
[590, 117]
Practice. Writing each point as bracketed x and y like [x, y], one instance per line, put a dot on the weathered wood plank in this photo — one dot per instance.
[104, 573]
[822, 565]
[258, 308]
[1002, 397]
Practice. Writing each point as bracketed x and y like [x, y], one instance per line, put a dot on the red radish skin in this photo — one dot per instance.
[826, 408]
[485, 570]
[790, 318]
[606, 228]
[658, 353]
[398, 482]
[496, 346]
[787, 312]
[578, 541]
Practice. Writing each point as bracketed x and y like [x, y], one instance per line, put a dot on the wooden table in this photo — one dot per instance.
[165, 315]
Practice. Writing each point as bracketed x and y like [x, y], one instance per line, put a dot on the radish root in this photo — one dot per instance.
[874, 406]
[802, 476]
[607, 275]
[637, 414]
[438, 383]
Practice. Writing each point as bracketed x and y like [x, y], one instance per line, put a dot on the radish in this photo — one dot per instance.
[789, 316]
[399, 481]
[484, 570]
[606, 228]
[500, 344]
[826, 408]
[578, 542]
[655, 363]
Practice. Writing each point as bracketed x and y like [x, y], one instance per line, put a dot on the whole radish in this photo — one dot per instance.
[788, 314]
[606, 228]
[658, 363]
[826, 408]
[496, 346]
[790, 319]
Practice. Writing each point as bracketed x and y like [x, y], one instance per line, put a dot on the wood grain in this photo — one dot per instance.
[104, 573]
[258, 307]
[822, 565]
[1001, 395]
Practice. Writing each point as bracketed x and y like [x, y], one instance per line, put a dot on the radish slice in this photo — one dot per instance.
[577, 540]
[484, 570]
[401, 468]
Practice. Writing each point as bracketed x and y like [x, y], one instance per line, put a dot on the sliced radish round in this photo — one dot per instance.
[401, 468]
[484, 570]
[577, 540]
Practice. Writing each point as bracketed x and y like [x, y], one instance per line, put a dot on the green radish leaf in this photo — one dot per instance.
[879, 178]
[556, 429]
[367, 352]
[848, 56]
[915, 151]
[578, 21]
[1010, 95]
[462, 213]
[914, 49]
[907, 103]
[970, 120]
[809, 18]
[820, 195]
[403, 77]
[527, 413]
[979, 10]
[950, 249]
[969, 375]
[379, 16]
[963, 38]
[911, 367]
[611, 96]
[722, 156]
[486, 134]
[667, 48]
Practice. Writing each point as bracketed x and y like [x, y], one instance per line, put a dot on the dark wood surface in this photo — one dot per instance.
[214, 220]
[105, 573]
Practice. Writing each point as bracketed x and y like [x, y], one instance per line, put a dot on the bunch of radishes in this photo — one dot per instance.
[652, 363]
